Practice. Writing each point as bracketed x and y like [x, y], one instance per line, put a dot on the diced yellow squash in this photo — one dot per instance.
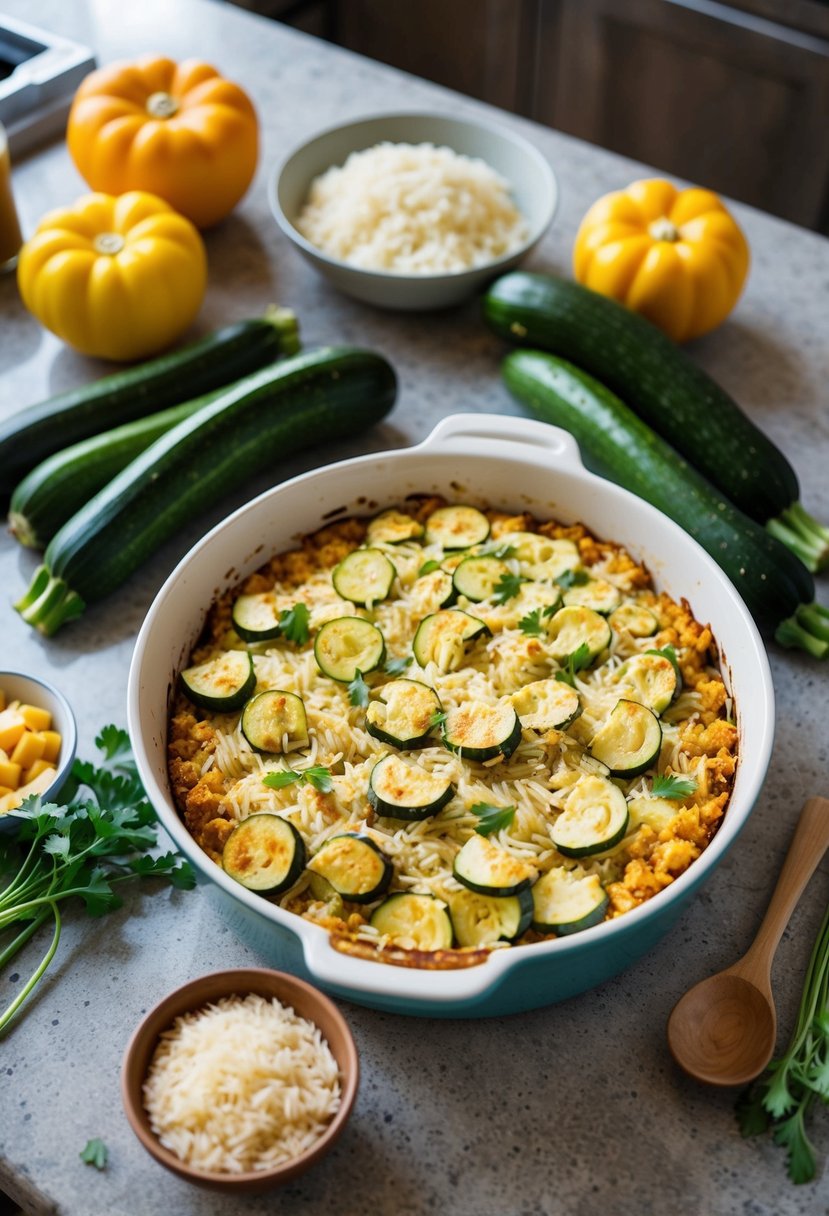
[12, 727]
[35, 717]
[29, 747]
[51, 744]
[36, 769]
[10, 773]
[42, 782]
[5, 789]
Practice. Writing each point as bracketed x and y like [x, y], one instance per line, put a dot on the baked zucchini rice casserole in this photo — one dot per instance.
[441, 730]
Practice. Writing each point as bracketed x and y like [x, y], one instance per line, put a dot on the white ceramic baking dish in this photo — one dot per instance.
[503, 462]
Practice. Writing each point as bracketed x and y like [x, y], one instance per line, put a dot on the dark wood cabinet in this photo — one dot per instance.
[711, 92]
[734, 96]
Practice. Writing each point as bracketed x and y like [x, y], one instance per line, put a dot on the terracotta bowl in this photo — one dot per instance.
[306, 1001]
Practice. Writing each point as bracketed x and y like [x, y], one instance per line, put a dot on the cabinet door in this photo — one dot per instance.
[702, 90]
[480, 47]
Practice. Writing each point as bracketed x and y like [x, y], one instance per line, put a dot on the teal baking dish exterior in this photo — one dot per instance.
[508, 463]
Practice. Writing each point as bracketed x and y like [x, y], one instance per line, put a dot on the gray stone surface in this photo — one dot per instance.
[574, 1109]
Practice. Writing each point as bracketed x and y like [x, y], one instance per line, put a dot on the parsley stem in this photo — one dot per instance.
[34, 979]
[23, 936]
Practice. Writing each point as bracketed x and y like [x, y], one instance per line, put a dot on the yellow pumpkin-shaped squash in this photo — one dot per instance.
[120, 278]
[178, 130]
[676, 256]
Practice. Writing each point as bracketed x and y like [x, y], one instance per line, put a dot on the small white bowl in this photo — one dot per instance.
[33, 691]
[532, 181]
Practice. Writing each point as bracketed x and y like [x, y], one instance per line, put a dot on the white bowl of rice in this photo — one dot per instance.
[413, 210]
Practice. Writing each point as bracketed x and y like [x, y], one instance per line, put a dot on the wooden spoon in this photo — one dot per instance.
[723, 1030]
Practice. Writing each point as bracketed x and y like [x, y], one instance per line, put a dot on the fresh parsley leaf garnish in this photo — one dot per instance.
[320, 778]
[293, 624]
[101, 835]
[394, 667]
[492, 818]
[95, 1153]
[358, 690]
[428, 567]
[279, 780]
[317, 775]
[531, 623]
[437, 718]
[579, 659]
[507, 587]
[665, 785]
[572, 578]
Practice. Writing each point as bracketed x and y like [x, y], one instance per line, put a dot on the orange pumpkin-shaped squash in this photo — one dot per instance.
[177, 130]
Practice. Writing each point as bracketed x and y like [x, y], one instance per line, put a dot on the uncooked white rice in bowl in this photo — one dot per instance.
[243, 1084]
[412, 209]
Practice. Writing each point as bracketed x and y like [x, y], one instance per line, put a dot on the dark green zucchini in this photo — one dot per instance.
[615, 443]
[334, 393]
[668, 390]
[55, 489]
[39, 430]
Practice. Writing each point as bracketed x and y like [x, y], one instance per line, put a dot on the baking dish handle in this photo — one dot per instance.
[351, 976]
[472, 433]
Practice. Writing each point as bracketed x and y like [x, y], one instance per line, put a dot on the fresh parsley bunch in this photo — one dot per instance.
[780, 1100]
[99, 835]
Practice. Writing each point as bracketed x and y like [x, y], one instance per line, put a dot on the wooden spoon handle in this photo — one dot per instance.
[809, 843]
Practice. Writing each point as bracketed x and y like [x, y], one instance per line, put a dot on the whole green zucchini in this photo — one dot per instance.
[776, 586]
[327, 394]
[37, 431]
[60, 485]
[667, 389]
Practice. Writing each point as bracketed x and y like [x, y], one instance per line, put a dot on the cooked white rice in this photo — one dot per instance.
[242, 1085]
[412, 209]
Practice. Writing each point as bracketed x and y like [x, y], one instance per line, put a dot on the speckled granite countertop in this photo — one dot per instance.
[574, 1109]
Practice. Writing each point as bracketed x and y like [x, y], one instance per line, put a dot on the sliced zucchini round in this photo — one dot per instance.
[567, 901]
[457, 527]
[356, 867]
[546, 705]
[403, 714]
[596, 593]
[364, 576]
[275, 721]
[432, 591]
[478, 731]
[392, 527]
[346, 645]
[650, 679]
[255, 617]
[572, 627]
[630, 740]
[543, 557]
[638, 620]
[442, 638]
[490, 870]
[477, 577]
[401, 789]
[594, 819]
[321, 890]
[223, 683]
[264, 853]
[414, 921]
[483, 920]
